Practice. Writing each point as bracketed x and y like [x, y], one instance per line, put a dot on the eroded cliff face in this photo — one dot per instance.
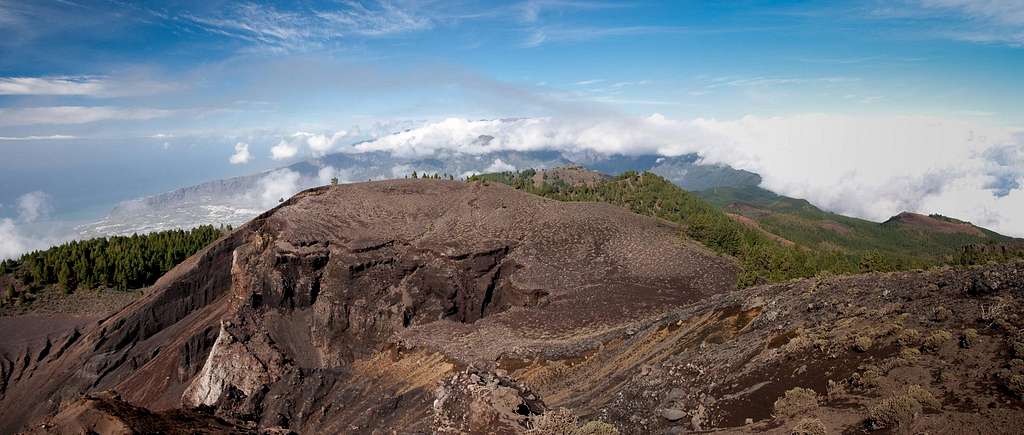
[298, 319]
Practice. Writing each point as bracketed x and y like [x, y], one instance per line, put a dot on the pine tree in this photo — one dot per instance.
[414, 174]
[334, 181]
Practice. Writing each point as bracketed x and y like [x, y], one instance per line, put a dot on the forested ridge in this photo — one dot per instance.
[121, 262]
[762, 258]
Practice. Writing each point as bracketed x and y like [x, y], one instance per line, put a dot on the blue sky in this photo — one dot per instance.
[104, 100]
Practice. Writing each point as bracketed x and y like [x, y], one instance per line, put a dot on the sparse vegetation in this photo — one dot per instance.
[968, 338]
[862, 343]
[908, 337]
[809, 426]
[893, 412]
[941, 314]
[935, 340]
[924, 397]
[562, 421]
[797, 401]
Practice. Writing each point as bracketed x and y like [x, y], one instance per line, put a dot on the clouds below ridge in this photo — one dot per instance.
[866, 166]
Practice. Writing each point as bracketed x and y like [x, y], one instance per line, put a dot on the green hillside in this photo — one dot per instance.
[912, 238]
[763, 257]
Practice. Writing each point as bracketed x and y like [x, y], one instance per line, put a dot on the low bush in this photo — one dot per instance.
[796, 401]
[893, 412]
[862, 343]
[924, 397]
[908, 338]
[561, 421]
[935, 340]
[809, 426]
[968, 338]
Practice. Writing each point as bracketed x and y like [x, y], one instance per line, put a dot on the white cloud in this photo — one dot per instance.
[34, 205]
[80, 85]
[499, 166]
[318, 144]
[241, 155]
[283, 150]
[298, 29]
[76, 114]
[12, 242]
[326, 173]
[49, 137]
[277, 185]
[867, 166]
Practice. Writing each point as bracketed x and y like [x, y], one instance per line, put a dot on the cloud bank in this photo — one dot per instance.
[14, 239]
[867, 166]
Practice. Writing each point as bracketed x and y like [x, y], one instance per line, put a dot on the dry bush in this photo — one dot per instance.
[597, 428]
[924, 397]
[559, 421]
[809, 426]
[941, 314]
[862, 343]
[910, 353]
[1016, 345]
[968, 338]
[935, 340]
[796, 401]
[893, 412]
[835, 390]
[908, 338]
[1013, 381]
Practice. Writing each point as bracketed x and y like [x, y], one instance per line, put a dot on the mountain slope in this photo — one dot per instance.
[909, 238]
[425, 306]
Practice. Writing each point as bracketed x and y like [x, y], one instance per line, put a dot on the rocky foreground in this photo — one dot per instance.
[416, 306]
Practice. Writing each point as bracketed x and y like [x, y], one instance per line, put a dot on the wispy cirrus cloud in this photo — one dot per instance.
[94, 86]
[48, 137]
[303, 28]
[76, 114]
[543, 35]
[975, 21]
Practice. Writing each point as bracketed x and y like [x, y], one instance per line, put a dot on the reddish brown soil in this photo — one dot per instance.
[571, 175]
[928, 223]
[753, 224]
